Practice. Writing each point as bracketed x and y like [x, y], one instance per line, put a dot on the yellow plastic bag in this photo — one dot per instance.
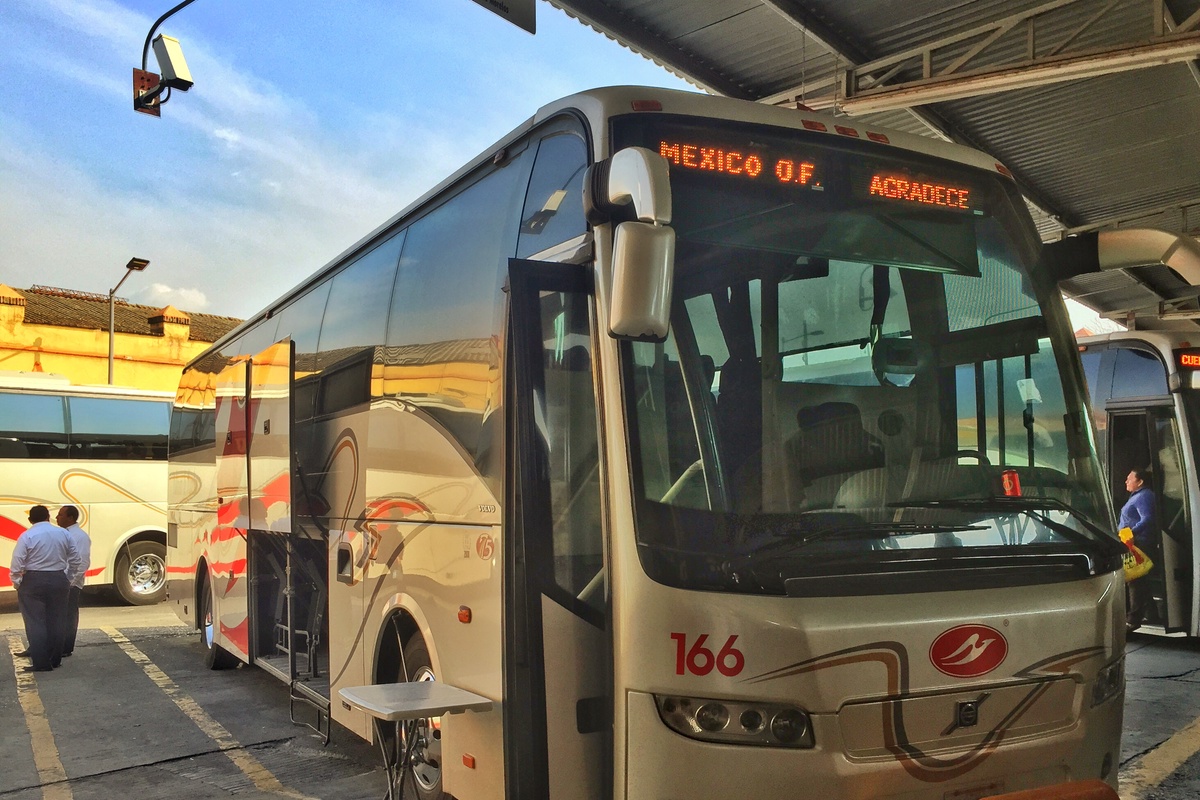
[1137, 563]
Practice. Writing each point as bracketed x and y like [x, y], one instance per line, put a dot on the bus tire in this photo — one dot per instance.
[141, 574]
[425, 774]
[215, 656]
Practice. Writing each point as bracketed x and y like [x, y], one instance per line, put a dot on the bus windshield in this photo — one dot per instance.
[860, 371]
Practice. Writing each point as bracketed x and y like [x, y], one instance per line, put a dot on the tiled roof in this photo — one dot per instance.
[72, 310]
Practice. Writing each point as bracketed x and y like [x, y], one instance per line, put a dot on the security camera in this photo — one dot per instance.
[175, 73]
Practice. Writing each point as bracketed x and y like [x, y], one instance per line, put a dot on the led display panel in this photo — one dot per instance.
[1188, 359]
[813, 194]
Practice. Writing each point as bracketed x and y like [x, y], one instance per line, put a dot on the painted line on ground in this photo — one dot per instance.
[260, 776]
[1157, 765]
[51, 774]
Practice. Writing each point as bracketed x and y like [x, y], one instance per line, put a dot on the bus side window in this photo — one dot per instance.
[554, 204]
[572, 446]
[1138, 373]
[110, 428]
[32, 426]
[442, 353]
[302, 322]
[354, 327]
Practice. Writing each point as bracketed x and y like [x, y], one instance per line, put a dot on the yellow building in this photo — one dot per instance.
[66, 332]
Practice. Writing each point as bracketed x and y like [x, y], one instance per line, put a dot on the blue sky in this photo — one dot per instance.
[310, 123]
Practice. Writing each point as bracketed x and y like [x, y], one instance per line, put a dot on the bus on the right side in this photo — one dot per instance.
[1145, 398]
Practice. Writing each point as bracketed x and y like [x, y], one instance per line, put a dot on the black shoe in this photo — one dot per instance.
[36, 669]
[23, 654]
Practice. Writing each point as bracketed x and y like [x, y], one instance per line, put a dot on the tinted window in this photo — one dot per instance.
[258, 338]
[356, 314]
[32, 426]
[104, 427]
[1138, 373]
[302, 320]
[453, 265]
[1091, 373]
[345, 387]
[446, 316]
[192, 427]
[554, 205]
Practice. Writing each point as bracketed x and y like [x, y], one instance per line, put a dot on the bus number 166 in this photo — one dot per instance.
[700, 660]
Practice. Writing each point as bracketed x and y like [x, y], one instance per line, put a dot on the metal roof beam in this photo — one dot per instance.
[1024, 75]
[942, 80]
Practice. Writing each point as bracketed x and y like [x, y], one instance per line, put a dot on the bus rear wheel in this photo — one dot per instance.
[215, 656]
[141, 574]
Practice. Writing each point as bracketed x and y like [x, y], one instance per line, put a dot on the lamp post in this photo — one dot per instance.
[134, 265]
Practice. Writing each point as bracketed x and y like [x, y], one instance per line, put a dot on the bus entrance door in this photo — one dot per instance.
[1148, 438]
[226, 562]
[558, 709]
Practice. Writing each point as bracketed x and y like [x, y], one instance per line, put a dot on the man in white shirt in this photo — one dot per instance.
[68, 519]
[44, 562]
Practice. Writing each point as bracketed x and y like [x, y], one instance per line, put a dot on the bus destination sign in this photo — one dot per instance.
[744, 163]
[1188, 359]
[753, 163]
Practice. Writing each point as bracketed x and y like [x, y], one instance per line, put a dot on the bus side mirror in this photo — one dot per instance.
[643, 266]
[643, 262]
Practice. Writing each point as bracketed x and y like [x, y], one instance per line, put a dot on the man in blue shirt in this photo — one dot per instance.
[1138, 515]
[44, 562]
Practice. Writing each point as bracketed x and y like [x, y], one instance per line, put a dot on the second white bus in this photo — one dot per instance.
[101, 449]
[1145, 394]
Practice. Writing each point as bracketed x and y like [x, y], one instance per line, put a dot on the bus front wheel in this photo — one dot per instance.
[425, 762]
[141, 573]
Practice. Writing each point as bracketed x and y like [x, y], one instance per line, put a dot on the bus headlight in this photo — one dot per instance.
[1109, 682]
[734, 722]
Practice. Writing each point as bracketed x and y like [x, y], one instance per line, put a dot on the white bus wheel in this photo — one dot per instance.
[141, 574]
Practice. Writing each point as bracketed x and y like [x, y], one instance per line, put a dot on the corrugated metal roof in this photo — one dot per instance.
[1099, 151]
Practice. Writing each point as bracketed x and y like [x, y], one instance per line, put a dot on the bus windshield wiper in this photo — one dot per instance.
[792, 539]
[1023, 505]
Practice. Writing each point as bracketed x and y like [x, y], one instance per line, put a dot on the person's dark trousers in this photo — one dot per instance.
[71, 621]
[42, 599]
[1140, 596]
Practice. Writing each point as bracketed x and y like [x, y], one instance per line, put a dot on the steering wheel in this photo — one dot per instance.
[976, 454]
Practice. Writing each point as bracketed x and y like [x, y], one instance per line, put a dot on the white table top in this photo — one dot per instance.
[397, 701]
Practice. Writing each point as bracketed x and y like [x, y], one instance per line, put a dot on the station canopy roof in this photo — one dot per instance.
[1094, 105]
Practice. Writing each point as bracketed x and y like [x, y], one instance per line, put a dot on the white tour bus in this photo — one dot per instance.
[102, 449]
[1145, 394]
[684, 431]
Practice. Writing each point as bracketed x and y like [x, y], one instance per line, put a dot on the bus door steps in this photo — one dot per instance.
[308, 663]
[300, 693]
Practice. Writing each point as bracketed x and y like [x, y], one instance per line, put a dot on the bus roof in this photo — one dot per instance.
[1165, 341]
[59, 384]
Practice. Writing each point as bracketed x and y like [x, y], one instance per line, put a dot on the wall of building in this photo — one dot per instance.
[146, 360]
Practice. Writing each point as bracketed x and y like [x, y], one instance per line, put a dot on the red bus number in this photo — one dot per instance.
[700, 660]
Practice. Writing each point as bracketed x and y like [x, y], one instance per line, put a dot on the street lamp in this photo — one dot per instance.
[134, 265]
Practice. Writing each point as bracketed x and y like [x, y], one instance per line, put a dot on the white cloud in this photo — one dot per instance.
[159, 295]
